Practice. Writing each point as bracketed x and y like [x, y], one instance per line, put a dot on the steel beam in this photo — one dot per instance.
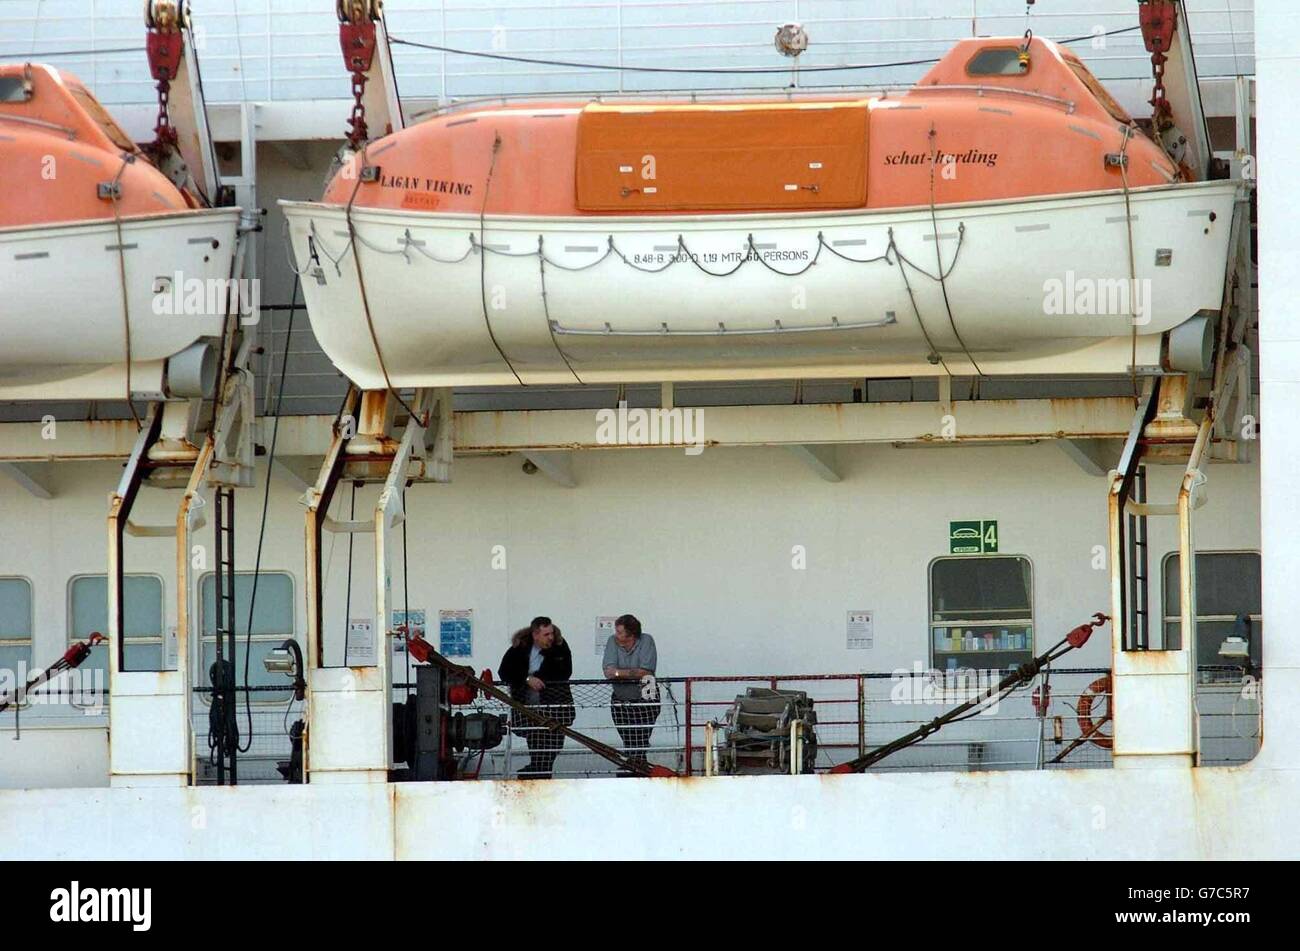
[33, 482]
[521, 431]
[820, 459]
[556, 466]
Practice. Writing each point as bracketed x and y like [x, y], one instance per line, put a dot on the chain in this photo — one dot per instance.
[358, 132]
[1159, 99]
[1159, 19]
[164, 20]
[164, 131]
[357, 38]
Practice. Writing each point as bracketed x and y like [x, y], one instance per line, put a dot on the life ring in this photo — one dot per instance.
[1099, 689]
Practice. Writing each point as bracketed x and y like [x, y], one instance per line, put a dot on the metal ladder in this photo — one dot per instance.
[1138, 568]
[223, 684]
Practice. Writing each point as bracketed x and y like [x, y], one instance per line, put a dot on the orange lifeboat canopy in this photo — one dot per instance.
[58, 146]
[987, 128]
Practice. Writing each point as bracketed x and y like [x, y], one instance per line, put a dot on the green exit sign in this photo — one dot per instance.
[973, 538]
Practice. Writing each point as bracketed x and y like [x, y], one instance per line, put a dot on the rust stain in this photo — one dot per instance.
[524, 802]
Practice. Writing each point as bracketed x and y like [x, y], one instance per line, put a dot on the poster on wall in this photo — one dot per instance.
[416, 618]
[456, 632]
[604, 631]
[360, 648]
[860, 635]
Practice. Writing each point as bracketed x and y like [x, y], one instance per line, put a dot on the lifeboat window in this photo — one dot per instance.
[981, 612]
[1099, 92]
[101, 118]
[1229, 604]
[273, 623]
[13, 89]
[143, 617]
[996, 61]
[15, 623]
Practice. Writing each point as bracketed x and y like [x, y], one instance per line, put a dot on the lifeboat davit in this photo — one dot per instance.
[104, 263]
[997, 218]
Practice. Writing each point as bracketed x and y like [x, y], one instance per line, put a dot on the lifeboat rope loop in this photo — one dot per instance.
[115, 196]
[288, 247]
[473, 246]
[892, 256]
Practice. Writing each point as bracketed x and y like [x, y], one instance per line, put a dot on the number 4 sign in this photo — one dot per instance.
[973, 538]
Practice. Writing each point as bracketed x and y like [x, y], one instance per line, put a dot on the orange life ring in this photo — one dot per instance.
[1098, 689]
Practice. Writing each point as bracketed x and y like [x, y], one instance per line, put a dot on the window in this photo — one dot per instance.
[996, 61]
[273, 623]
[1117, 112]
[15, 624]
[101, 117]
[981, 612]
[143, 619]
[1229, 603]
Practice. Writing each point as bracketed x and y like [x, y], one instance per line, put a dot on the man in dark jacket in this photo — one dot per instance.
[537, 668]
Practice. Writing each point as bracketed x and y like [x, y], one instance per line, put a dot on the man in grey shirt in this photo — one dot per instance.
[630, 662]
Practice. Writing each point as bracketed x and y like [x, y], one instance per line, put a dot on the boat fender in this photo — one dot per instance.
[1191, 345]
[192, 372]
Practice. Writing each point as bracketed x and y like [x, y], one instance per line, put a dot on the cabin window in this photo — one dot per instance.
[15, 625]
[981, 612]
[101, 118]
[1117, 112]
[996, 61]
[273, 623]
[142, 617]
[1229, 604]
[14, 89]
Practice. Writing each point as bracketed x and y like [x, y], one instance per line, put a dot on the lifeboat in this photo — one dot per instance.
[105, 265]
[1003, 216]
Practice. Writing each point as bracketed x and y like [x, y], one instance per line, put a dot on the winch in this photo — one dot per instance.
[770, 731]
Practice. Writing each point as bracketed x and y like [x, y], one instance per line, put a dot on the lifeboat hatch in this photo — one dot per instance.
[715, 157]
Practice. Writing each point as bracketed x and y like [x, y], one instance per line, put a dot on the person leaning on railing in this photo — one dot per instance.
[537, 668]
[630, 661]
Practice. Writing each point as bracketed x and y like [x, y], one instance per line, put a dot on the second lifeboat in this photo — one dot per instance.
[1004, 216]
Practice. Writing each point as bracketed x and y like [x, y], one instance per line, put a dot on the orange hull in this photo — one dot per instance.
[965, 133]
[58, 147]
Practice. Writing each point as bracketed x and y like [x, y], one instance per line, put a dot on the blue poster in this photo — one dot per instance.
[456, 632]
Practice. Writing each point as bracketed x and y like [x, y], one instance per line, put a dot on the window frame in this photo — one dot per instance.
[160, 638]
[30, 641]
[931, 623]
[1014, 50]
[201, 675]
[1079, 69]
[1256, 620]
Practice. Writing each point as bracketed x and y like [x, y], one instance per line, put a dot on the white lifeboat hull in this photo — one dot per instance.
[1039, 286]
[62, 321]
